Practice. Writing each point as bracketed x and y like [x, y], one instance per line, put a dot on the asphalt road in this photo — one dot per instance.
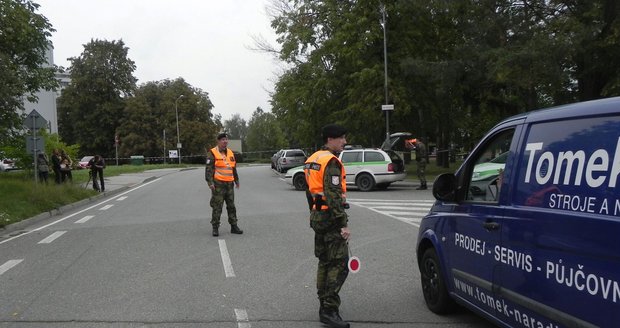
[146, 258]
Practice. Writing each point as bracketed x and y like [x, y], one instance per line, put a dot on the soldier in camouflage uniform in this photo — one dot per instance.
[420, 158]
[221, 176]
[326, 196]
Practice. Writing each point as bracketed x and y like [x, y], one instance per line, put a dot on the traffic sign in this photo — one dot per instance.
[35, 145]
[354, 264]
[387, 107]
[35, 121]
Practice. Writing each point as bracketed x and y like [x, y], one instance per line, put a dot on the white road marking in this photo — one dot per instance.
[228, 269]
[121, 198]
[106, 207]
[52, 237]
[8, 265]
[408, 211]
[77, 213]
[84, 219]
[242, 318]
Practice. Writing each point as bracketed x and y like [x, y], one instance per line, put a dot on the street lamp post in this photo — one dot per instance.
[178, 135]
[385, 79]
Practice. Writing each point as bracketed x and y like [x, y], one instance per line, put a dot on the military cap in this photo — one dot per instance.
[333, 131]
[222, 135]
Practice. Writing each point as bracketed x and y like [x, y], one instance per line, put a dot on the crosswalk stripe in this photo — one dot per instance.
[407, 211]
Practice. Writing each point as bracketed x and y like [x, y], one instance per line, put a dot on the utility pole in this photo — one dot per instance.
[386, 108]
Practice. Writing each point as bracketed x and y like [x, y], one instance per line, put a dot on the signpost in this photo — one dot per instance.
[34, 145]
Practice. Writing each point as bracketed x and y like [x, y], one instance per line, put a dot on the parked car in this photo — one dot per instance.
[290, 158]
[83, 163]
[366, 168]
[534, 244]
[274, 158]
[7, 164]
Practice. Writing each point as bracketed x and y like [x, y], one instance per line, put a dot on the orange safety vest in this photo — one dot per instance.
[224, 165]
[314, 170]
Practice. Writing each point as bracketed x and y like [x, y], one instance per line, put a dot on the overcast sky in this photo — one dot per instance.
[206, 42]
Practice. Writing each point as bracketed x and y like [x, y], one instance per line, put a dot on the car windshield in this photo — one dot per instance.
[86, 158]
[296, 154]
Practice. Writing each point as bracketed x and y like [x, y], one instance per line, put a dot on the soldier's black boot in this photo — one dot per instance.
[332, 319]
[216, 231]
[235, 229]
[421, 187]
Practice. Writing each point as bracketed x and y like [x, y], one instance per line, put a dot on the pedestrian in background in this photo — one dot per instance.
[65, 167]
[96, 165]
[326, 195]
[43, 167]
[56, 166]
[420, 158]
[222, 178]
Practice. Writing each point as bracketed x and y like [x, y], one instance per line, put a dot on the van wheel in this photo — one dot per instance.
[365, 182]
[299, 182]
[433, 284]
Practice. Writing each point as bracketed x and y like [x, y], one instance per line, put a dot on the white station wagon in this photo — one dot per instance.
[366, 168]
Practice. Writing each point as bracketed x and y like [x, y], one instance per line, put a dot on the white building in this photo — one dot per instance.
[46, 105]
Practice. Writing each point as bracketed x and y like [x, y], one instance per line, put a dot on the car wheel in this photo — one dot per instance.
[299, 182]
[383, 186]
[433, 284]
[365, 182]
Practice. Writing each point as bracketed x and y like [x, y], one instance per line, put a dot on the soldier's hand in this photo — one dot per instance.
[345, 233]
[212, 187]
[237, 185]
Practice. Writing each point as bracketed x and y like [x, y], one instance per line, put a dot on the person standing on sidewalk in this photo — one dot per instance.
[222, 178]
[326, 192]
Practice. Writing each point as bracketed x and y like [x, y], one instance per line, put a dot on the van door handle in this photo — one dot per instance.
[491, 225]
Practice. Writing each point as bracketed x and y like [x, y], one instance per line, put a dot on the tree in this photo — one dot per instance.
[236, 127]
[264, 132]
[90, 108]
[455, 67]
[152, 111]
[24, 39]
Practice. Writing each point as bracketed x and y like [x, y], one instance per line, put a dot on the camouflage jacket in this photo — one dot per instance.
[420, 151]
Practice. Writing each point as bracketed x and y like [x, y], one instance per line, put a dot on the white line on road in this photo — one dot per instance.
[106, 207]
[84, 219]
[228, 269]
[77, 213]
[242, 318]
[122, 198]
[8, 265]
[52, 237]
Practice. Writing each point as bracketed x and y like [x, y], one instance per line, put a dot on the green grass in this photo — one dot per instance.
[21, 197]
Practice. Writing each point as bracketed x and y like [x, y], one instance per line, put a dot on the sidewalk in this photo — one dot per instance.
[113, 185]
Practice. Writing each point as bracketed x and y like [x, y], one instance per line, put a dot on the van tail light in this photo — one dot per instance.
[391, 167]
[284, 160]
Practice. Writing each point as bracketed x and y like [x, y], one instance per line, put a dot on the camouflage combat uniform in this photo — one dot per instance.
[329, 246]
[224, 192]
[420, 157]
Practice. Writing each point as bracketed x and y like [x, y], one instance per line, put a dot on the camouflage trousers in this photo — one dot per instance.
[333, 254]
[224, 192]
[422, 171]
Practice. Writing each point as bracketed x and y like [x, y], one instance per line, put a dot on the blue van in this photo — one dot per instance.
[531, 240]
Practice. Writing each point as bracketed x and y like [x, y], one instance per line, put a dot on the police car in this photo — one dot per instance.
[535, 242]
[366, 168]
